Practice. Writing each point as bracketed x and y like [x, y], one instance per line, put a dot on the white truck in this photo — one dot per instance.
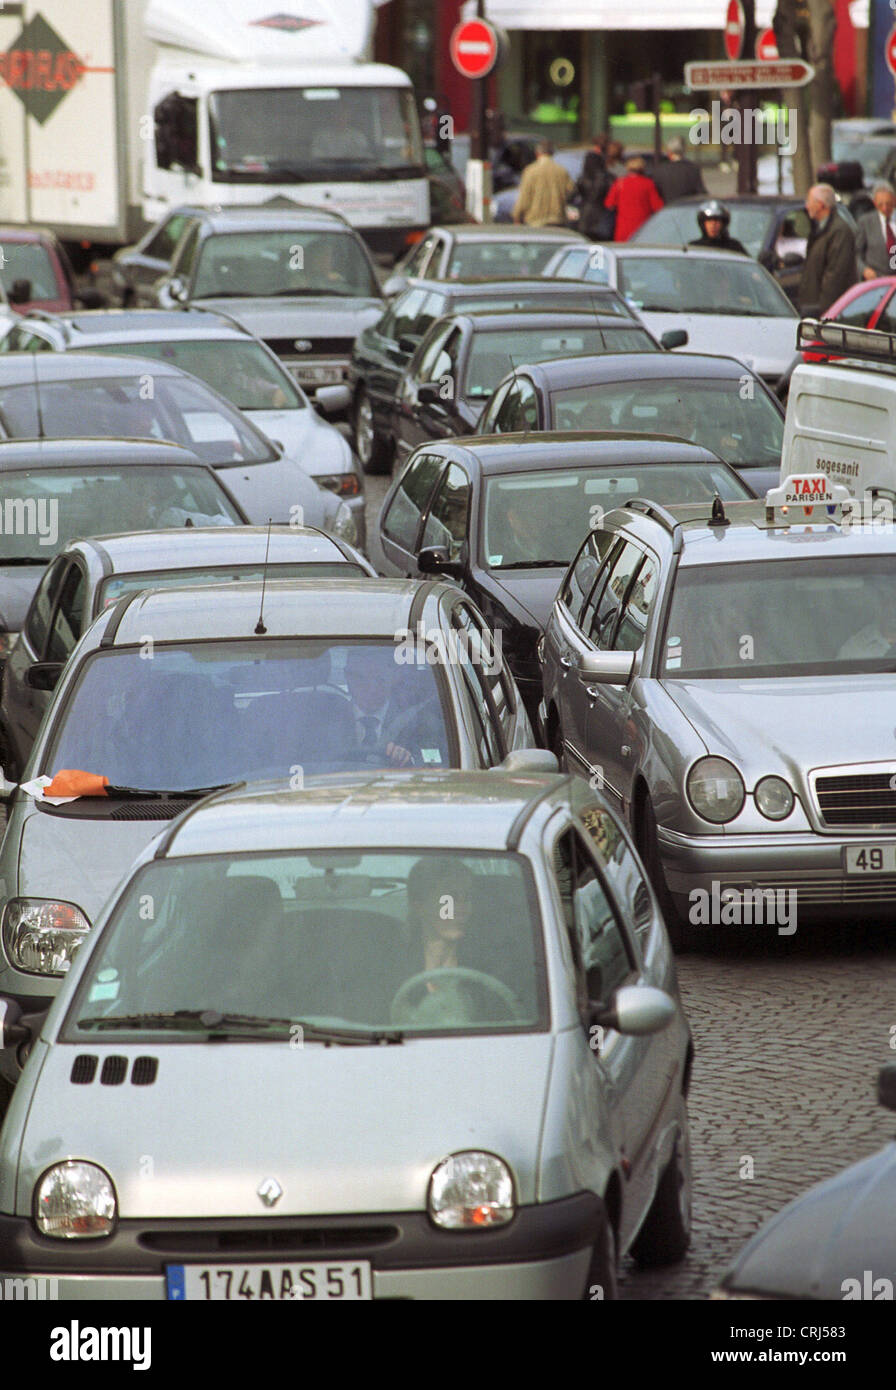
[114, 111]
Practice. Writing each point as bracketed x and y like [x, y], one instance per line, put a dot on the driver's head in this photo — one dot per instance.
[440, 898]
[370, 673]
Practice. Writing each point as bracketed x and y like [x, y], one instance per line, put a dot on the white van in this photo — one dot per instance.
[841, 414]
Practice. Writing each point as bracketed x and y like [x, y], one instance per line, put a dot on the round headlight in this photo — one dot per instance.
[471, 1191]
[40, 936]
[344, 525]
[716, 790]
[774, 798]
[75, 1201]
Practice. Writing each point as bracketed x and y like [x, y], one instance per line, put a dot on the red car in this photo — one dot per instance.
[37, 274]
[867, 304]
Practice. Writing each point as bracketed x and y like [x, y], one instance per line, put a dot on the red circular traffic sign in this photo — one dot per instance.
[735, 24]
[891, 50]
[474, 48]
[767, 46]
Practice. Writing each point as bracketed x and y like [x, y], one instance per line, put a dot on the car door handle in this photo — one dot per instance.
[592, 691]
[626, 751]
[566, 663]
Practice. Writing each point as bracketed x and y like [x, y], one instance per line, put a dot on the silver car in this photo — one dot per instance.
[89, 575]
[461, 1072]
[171, 693]
[728, 679]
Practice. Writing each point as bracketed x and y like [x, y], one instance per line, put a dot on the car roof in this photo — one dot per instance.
[486, 320]
[297, 217]
[521, 452]
[461, 289]
[749, 536]
[707, 253]
[33, 234]
[504, 231]
[432, 809]
[338, 608]
[141, 325]
[22, 368]
[562, 372]
[128, 551]
[769, 200]
[93, 453]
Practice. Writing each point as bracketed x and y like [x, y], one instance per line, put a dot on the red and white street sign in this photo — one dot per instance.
[474, 48]
[890, 50]
[735, 26]
[767, 46]
[786, 72]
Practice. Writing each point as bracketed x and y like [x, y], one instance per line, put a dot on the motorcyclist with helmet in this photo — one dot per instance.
[713, 218]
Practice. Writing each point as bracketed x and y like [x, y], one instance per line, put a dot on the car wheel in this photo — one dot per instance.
[681, 933]
[371, 449]
[666, 1233]
[601, 1282]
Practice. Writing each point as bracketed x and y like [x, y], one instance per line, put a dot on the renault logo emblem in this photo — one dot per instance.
[302, 345]
[270, 1192]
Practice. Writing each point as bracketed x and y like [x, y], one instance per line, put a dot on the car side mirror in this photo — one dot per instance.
[674, 338]
[43, 675]
[635, 1009]
[529, 760]
[430, 393]
[394, 285]
[177, 289]
[330, 400]
[607, 668]
[886, 1085]
[20, 293]
[436, 559]
[408, 344]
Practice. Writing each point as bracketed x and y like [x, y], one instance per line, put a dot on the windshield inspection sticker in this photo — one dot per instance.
[431, 755]
[105, 986]
[673, 657]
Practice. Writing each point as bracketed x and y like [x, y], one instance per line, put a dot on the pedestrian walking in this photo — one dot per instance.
[596, 221]
[876, 234]
[830, 266]
[634, 198]
[545, 189]
[678, 177]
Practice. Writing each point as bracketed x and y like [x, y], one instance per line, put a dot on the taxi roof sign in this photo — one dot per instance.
[805, 491]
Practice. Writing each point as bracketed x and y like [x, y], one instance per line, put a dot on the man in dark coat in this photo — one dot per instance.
[595, 221]
[678, 177]
[830, 266]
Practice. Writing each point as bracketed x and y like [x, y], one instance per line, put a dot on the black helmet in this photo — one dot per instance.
[713, 209]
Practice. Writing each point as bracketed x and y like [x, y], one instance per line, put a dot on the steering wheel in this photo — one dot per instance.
[459, 972]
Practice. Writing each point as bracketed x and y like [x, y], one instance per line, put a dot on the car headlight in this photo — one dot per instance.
[343, 484]
[75, 1201]
[344, 525]
[41, 937]
[471, 1191]
[774, 798]
[7, 641]
[716, 790]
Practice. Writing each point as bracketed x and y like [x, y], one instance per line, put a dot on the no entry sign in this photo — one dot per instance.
[474, 48]
[767, 46]
[890, 50]
[735, 26]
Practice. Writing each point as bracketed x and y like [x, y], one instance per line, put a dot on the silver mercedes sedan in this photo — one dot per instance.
[430, 1032]
[729, 681]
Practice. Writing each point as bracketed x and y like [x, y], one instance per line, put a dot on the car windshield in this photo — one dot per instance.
[283, 263]
[503, 260]
[493, 354]
[329, 939]
[30, 260]
[205, 713]
[718, 415]
[871, 154]
[676, 226]
[707, 284]
[540, 518]
[134, 407]
[295, 134]
[240, 371]
[120, 584]
[764, 618]
[41, 510]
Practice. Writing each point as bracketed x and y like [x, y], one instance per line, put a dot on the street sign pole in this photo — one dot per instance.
[475, 48]
[746, 149]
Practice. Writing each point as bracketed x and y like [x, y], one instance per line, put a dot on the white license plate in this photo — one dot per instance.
[870, 859]
[337, 1281]
[316, 376]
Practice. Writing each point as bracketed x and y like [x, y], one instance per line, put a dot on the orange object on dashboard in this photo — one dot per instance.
[72, 782]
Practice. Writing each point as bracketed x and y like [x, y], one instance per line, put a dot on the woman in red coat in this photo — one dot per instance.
[634, 198]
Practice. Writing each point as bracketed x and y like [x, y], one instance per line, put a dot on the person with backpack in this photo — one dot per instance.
[596, 221]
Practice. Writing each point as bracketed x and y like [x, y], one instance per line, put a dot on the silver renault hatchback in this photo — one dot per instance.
[311, 1051]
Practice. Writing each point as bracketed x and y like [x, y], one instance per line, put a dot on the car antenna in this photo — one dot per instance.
[516, 383]
[260, 628]
[40, 414]
[718, 517]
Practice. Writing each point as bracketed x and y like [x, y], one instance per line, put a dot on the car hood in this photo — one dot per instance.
[17, 586]
[534, 591]
[840, 1229]
[804, 722]
[307, 440]
[270, 491]
[79, 860]
[765, 345]
[342, 1129]
[306, 318]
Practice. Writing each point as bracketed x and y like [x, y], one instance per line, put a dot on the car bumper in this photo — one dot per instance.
[544, 1253]
[810, 865]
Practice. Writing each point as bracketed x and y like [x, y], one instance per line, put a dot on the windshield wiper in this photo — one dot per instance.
[217, 1024]
[321, 292]
[25, 560]
[533, 565]
[163, 794]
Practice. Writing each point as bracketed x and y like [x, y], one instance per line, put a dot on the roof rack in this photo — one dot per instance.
[658, 513]
[869, 344]
[45, 316]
